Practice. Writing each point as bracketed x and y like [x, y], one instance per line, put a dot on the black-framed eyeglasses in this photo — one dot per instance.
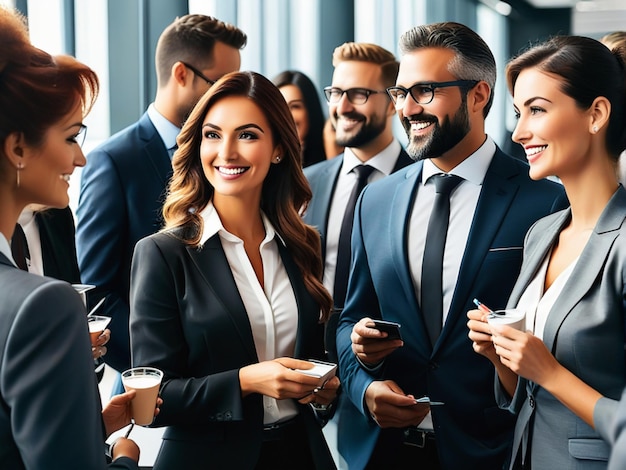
[423, 93]
[355, 95]
[198, 73]
[79, 138]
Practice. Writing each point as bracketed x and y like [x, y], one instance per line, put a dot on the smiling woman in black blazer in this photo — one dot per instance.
[229, 293]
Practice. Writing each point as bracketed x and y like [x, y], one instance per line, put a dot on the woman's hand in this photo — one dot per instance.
[278, 379]
[117, 413]
[97, 347]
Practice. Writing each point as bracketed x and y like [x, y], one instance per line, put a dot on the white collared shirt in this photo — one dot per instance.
[384, 163]
[272, 309]
[33, 239]
[166, 130]
[463, 201]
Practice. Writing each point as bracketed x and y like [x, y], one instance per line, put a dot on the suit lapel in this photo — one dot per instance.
[320, 205]
[213, 267]
[154, 150]
[495, 198]
[588, 267]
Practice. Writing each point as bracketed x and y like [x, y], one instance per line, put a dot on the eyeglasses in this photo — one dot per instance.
[198, 73]
[79, 138]
[423, 93]
[355, 95]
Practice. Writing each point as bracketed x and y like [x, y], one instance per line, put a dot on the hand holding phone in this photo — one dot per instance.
[391, 328]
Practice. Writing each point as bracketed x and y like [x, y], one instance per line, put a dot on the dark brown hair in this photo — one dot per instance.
[285, 190]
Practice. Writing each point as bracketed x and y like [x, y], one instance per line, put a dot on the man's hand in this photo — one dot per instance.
[370, 345]
[391, 408]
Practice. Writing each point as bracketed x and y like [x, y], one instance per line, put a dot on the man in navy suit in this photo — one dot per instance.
[362, 114]
[123, 184]
[443, 94]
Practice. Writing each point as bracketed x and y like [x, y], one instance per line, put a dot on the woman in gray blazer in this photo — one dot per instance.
[569, 95]
[229, 293]
[50, 409]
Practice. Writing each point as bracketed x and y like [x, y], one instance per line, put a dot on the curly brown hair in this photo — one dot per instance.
[285, 192]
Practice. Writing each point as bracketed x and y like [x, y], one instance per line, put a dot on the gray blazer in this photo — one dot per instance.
[50, 413]
[612, 426]
[585, 332]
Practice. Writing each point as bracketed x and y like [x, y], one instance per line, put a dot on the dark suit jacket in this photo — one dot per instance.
[50, 413]
[585, 332]
[323, 178]
[472, 432]
[58, 244]
[121, 196]
[188, 319]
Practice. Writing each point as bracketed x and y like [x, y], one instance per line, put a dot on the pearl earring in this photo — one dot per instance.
[277, 159]
[595, 129]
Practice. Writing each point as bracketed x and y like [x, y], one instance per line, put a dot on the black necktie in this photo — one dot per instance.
[19, 248]
[432, 267]
[343, 248]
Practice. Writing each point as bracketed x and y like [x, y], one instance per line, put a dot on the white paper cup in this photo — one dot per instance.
[513, 317]
[146, 381]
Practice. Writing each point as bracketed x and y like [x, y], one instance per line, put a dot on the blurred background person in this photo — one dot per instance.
[306, 108]
[51, 415]
[331, 147]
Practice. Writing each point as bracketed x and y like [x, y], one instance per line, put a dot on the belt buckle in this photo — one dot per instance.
[415, 437]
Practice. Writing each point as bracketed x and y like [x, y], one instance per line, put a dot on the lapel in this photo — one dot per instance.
[496, 195]
[213, 267]
[589, 266]
[154, 150]
[319, 208]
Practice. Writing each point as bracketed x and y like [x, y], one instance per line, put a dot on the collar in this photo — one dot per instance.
[5, 249]
[473, 168]
[167, 131]
[383, 161]
[213, 225]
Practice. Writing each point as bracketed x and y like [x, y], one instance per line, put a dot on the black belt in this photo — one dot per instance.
[278, 431]
[419, 437]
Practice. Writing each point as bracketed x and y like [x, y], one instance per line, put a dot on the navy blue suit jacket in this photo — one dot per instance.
[472, 432]
[323, 178]
[121, 197]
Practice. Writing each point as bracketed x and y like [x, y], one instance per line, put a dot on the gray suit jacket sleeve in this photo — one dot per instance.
[47, 382]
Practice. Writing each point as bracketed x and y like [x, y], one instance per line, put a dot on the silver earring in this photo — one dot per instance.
[19, 168]
[595, 129]
[277, 159]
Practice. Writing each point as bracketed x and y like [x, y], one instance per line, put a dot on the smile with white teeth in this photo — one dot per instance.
[535, 150]
[418, 126]
[65, 178]
[231, 171]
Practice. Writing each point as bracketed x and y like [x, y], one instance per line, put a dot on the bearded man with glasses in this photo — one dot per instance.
[422, 250]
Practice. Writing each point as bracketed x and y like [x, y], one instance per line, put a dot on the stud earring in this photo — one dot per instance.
[19, 168]
[277, 158]
[595, 129]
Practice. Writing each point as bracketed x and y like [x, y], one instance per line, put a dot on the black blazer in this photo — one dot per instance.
[58, 244]
[188, 319]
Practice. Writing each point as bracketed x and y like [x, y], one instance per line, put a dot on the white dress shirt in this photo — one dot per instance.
[463, 201]
[384, 163]
[271, 309]
[166, 130]
[33, 239]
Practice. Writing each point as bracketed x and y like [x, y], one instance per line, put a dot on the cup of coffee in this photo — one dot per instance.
[513, 317]
[97, 324]
[146, 381]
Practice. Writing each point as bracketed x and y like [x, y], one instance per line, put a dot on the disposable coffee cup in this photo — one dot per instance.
[97, 324]
[146, 381]
[515, 318]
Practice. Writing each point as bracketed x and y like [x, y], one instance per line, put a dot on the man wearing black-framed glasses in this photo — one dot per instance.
[426, 242]
[362, 115]
[124, 180]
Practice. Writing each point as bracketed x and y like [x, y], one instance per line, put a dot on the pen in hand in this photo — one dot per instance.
[482, 307]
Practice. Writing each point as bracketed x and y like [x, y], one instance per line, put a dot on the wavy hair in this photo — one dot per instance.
[285, 190]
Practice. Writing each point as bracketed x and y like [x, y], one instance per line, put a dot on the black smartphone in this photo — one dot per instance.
[390, 327]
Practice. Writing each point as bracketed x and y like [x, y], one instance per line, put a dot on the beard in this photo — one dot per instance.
[368, 131]
[442, 138]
